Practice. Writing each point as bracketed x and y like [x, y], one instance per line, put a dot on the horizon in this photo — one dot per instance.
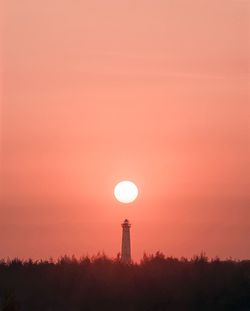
[96, 92]
[67, 258]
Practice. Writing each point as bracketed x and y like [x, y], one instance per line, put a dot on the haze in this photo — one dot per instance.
[95, 92]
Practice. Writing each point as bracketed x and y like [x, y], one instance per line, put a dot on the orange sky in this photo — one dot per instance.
[155, 91]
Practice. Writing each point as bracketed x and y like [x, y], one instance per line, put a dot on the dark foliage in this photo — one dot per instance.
[158, 283]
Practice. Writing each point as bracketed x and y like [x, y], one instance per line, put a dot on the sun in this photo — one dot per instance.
[126, 191]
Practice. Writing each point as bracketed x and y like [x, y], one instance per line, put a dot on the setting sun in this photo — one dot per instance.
[126, 191]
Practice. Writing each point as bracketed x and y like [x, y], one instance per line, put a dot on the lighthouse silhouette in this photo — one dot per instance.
[126, 248]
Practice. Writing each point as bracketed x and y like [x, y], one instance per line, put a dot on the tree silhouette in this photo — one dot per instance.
[98, 283]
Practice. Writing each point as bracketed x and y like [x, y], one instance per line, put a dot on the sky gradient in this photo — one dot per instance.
[94, 92]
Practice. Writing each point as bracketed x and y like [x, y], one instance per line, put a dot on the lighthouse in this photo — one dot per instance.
[126, 249]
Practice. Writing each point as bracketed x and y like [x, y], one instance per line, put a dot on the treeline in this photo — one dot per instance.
[100, 283]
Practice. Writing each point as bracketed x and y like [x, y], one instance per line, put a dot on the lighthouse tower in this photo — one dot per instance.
[126, 249]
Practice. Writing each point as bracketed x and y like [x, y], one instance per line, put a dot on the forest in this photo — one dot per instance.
[156, 283]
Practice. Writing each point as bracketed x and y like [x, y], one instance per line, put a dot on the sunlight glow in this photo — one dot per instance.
[126, 191]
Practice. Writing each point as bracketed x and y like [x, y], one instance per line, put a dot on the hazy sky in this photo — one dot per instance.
[155, 91]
